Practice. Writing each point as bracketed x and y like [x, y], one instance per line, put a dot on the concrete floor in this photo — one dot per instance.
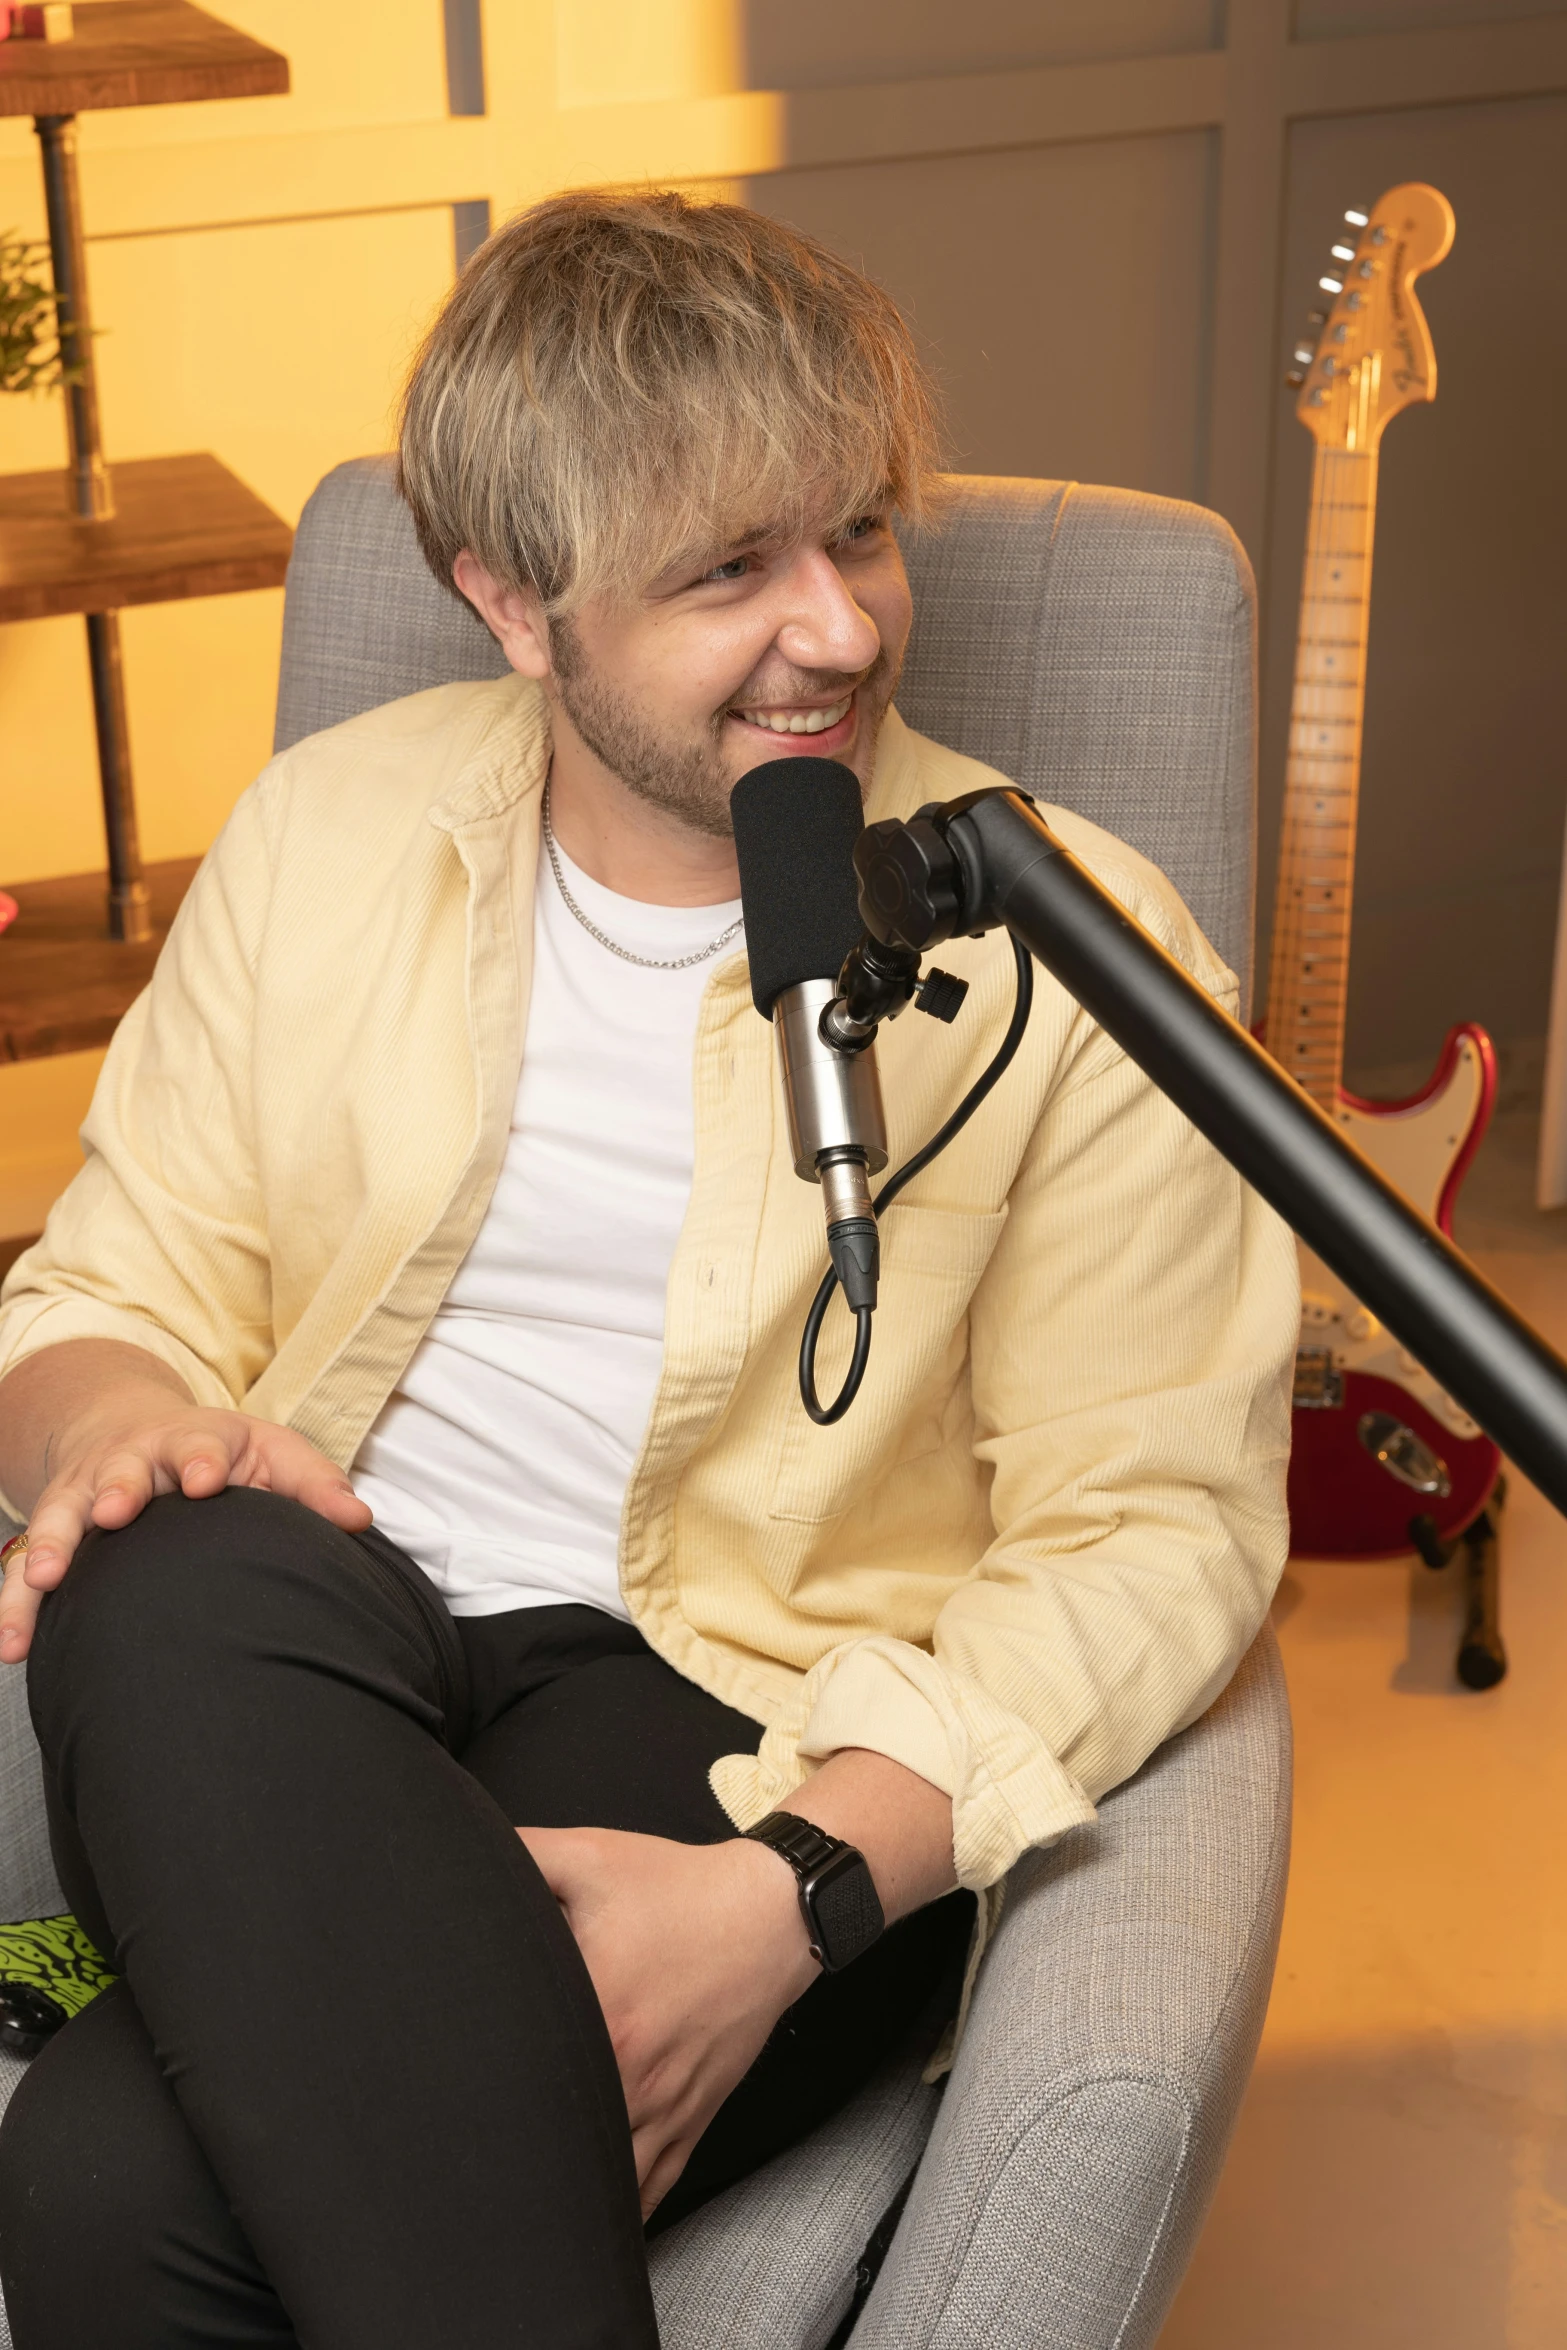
[1399, 2175]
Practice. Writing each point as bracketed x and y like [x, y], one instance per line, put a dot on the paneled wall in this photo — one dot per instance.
[1107, 239]
[1061, 294]
[1104, 217]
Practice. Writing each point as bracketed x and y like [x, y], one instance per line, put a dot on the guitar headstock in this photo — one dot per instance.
[1370, 351]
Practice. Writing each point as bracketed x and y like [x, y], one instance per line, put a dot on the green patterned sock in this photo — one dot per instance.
[54, 1956]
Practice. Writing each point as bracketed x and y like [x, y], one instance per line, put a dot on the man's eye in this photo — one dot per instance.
[865, 527]
[734, 569]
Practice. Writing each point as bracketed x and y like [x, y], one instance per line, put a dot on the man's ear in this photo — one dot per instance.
[514, 619]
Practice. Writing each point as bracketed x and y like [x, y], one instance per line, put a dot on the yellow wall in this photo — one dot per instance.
[260, 272]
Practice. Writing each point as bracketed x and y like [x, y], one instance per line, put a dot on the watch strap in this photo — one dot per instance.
[838, 1899]
[806, 1847]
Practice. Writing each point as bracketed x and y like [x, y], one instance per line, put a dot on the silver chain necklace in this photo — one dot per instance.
[644, 962]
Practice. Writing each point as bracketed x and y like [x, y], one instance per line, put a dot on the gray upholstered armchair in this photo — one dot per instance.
[1097, 647]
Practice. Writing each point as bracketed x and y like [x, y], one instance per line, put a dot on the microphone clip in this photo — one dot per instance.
[878, 982]
[919, 882]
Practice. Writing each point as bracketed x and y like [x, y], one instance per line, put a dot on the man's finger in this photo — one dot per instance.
[200, 1461]
[327, 1491]
[659, 2164]
[294, 1467]
[19, 1605]
[123, 1483]
[62, 1516]
[564, 1859]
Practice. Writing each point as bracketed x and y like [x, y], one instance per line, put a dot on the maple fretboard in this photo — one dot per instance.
[1308, 989]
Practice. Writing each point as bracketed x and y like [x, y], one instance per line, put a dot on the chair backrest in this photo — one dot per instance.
[1096, 646]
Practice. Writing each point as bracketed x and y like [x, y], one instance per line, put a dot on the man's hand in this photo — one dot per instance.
[95, 1429]
[695, 1950]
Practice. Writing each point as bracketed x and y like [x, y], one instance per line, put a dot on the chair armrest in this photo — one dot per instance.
[29, 1887]
[1111, 2037]
[770, 2265]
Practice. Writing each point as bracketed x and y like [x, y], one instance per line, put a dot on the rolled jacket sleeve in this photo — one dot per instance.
[1130, 1351]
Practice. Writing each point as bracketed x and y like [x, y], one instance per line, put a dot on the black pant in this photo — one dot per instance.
[355, 2090]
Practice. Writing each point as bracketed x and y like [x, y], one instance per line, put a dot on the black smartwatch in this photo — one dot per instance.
[837, 1896]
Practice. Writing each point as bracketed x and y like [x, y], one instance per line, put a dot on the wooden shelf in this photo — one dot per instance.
[182, 526]
[137, 53]
[64, 984]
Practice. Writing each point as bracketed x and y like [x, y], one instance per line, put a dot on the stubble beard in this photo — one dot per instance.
[685, 779]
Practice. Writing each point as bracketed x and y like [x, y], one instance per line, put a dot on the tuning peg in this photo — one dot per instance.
[1317, 318]
[1343, 252]
[1303, 354]
[1295, 377]
[1357, 218]
[1331, 285]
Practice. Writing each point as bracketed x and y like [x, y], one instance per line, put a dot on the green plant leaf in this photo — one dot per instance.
[31, 359]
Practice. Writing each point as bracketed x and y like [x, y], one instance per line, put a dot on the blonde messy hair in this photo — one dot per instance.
[621, 382]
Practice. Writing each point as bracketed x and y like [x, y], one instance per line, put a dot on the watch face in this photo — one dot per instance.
[848, 1916]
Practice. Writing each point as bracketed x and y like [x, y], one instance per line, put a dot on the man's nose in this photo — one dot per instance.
[823, 627]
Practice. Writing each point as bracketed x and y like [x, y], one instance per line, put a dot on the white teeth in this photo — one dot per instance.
[802, 722]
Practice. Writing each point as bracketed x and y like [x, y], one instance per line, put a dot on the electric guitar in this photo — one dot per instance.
[1384, 1460]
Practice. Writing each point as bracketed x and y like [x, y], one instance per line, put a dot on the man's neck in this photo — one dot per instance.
[624, 843]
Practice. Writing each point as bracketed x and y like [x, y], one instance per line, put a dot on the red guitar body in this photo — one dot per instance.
[1354, 1498]
[1344, 1504]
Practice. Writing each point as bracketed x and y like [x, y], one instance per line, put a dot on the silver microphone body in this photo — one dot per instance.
[837, 1127]
[833, 1097]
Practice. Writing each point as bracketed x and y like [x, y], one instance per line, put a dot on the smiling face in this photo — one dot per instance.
[781, 648]
[619, 379]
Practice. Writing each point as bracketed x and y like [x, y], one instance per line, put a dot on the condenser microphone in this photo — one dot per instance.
[796, 822]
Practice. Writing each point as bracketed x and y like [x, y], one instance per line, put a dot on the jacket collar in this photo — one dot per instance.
[895, 780]
[501, 757]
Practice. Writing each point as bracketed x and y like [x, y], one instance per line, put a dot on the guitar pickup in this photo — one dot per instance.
[1318, 1387]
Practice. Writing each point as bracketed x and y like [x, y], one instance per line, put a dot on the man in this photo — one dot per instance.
[414, 1834]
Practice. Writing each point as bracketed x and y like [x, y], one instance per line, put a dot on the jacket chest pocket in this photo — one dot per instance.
[931, 1263]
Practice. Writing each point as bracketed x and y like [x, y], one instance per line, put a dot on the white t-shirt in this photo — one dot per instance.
[501, 1461]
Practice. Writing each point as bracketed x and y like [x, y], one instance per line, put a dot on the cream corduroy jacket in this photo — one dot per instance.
[1051, 1524]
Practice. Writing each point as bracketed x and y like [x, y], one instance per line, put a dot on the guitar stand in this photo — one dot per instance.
[1482, 1659]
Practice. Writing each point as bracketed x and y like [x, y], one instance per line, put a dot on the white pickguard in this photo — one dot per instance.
[1415, 1149]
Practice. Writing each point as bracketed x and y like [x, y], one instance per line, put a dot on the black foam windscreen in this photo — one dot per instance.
[796, 822]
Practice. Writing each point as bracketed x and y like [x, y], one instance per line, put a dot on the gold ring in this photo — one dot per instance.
[11, 1550]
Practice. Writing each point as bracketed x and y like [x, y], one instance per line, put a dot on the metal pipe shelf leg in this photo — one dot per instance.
[130, 915]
